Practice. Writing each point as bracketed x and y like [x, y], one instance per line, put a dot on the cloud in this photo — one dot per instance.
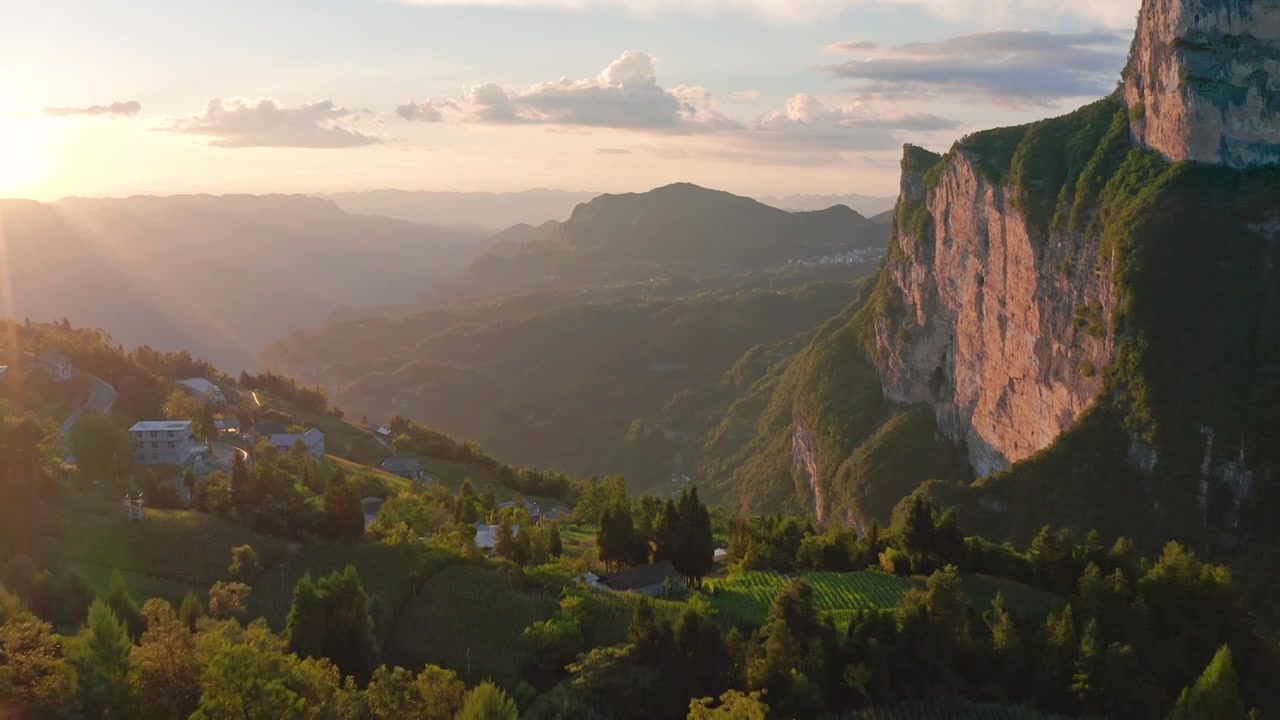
[1115, 13]
[125, 109]
[851, 46]
[744, 95]
[264, 122]
[425, 111]
[1007, 67]
[612, 151]
[808, 122]
[625, 95]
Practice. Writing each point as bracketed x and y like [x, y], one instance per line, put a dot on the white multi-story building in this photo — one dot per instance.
[162, 442]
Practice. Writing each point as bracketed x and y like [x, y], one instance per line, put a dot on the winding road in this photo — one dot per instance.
[101, 398]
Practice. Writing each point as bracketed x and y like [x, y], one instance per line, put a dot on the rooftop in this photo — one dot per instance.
[402, 464]
[157, 425]
[642, 577]
[200, 385]
[309, 437]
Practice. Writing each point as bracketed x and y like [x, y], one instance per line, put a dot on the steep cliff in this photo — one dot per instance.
[1005, 322]
[1204, 80]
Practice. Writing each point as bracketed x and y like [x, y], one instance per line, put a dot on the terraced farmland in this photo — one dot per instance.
[745, 599]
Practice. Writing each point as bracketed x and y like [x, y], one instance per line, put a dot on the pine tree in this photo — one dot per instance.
[1215, 695]
[100, 656]
[190, 611]
[331, 619]
[667, 534]
[555, 546]
[344, 515]
[123, 605]
[522, 549]
[488, 702]
[504, 541]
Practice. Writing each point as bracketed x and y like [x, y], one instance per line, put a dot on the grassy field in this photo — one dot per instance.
[469, 611]
[394, 483]
[745, 599]
[384, 570]
[166, 554]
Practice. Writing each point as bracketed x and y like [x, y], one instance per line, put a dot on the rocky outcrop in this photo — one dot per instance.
[1004, 329]
[804, 457]
[1203, 82]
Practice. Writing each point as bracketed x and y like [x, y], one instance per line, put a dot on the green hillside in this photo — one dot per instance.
[589, 385]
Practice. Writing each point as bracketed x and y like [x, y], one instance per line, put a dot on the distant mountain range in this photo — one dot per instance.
[482, 211]
[221, 276]
[677, 228]
[865, 205]
[495, 211]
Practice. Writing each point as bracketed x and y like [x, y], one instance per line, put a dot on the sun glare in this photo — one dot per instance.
[25, 157]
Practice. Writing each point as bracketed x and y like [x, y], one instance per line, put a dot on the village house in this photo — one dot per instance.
[57, 364]
[313, 439]
[648, 580]
[409, 468]
[162, 442]
[371, 506]
[203, 389]
[487, 535]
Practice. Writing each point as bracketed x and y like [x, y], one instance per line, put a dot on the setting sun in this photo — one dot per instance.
[25, 157]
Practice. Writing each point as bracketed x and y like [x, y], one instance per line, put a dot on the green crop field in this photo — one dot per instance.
[467, 612]
[948, 709]
[745, 599]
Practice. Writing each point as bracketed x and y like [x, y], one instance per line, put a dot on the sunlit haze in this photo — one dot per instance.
[752, 96]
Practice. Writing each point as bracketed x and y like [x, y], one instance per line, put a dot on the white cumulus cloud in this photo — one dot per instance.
[265, 122]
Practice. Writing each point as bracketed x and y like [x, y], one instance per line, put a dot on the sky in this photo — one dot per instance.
[763, 97]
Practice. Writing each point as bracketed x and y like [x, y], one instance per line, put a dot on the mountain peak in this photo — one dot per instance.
[1203, 80]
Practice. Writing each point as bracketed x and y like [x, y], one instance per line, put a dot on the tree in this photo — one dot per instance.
[1215, 695]
[190, 611]
[99, 654]
[488, 702]
[165, 673]
[734, 705]
[344, 514]
[182, 405]
[206, 425]
[241, 492]
[504, 541]
[227, 600]
[918, 531]
[123, 604]
[433, 694]
[330, 619]
[696, 556]
[617, 541]
[249, 675]
[244, 563]
[522, 549]
[35, 680]
[555, 546]
[102, 448]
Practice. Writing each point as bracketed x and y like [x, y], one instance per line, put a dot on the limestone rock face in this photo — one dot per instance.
[1204, 80]
[1004, 331]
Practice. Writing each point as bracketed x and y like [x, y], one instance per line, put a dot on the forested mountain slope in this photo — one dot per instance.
[678, 228]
